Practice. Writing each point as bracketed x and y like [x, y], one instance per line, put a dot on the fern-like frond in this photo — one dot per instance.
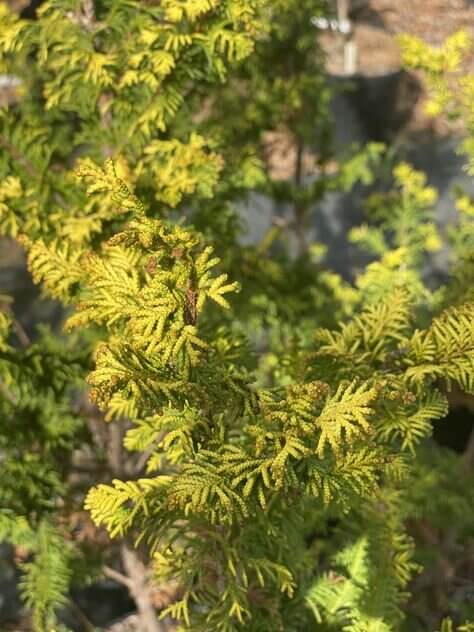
[345, 414]
[46, 580]
[445, 350]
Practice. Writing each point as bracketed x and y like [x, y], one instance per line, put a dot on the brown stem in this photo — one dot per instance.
[136, 576]
[88, 12]
[18, 328]
[141, 461]
[300, 229]
[299, 164]
[105, 119]
[115, 448]
[86, 623]
[140, 590]
[15, 154]
[29, 168]
[7, 394]
[468, 455]
[94, 420]
[117, 577]
[21, 334]
[299, 209]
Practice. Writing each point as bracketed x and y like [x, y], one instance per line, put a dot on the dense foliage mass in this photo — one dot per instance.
[259, 432]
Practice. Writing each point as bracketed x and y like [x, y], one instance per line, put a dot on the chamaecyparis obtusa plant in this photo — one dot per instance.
[230, 463]
[274, 506]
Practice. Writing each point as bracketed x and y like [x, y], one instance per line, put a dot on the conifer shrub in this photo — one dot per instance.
[257, 438]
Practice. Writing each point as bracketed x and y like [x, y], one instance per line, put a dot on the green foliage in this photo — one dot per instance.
[376, 377]
[281, 432]
[400, 233]
[38, 434]
[47, 578]
[363, 589]
[47, 571]
[447, 626]
[451, 91]
[35, 409]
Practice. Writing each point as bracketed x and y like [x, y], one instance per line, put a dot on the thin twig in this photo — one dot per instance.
[21, 333]
[29, 168]
[140, 590]
[115, 447]
[142, 460]
[18, 327]
[299, 209]
[15, 154]
[88, 11]
[87, 624]
[117, 577]
[7, 394]
[468, 455]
